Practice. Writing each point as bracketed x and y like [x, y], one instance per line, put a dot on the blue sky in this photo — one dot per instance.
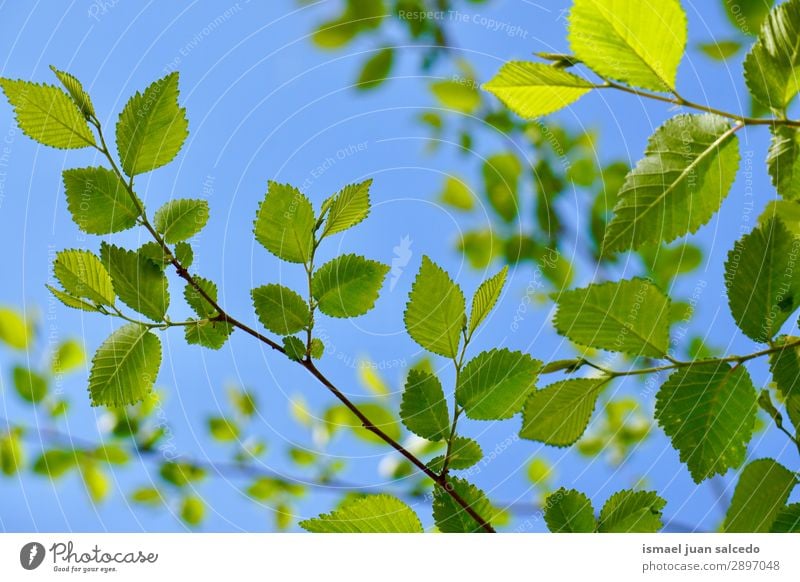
[265, 104]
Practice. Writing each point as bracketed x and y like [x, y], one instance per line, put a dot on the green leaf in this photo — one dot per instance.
[181, 474]
[770, 68]
[632, 511]
[222, 429]
[461, 96]
[370, 514]
[569, 511]
[720, 50]
[68, 356]
[501, 174]
[788, 211]
[747, 15]
[98, 201]
[147, 496]
[347, 208]
[196, 301]
[763, 289]
[317, 348]
[75, 89]
[456, 194]
[55, 463]
[479, 247]
[285, 223]
[495, 384]
[15, 332]
[295, 348]
[637, 43]
[629, 316]
[785, 367]
[788, 520]
[30, 385]
[181, 219]
[464, 454]
[280, 309]
[435, 313]
[450, 517]
[152, 127]
[70, 301]
[348, 286]
[83, 276]
[534, 89]
[423, 408]
[209, 334]
[138, 282]
[485, 299]
[783, 161]
[558, 414]
[193, 510]
[48, 115]
[760, 495]
[96, 481]
[125, 366]
[11, 455]
[375, 69]
[708, 411]
[689, 166]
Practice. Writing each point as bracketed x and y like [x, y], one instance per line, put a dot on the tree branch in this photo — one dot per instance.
[440, 480]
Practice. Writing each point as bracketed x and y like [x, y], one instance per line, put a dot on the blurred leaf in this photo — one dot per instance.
[193, 510]
[30, 385]
[480, 247]
[11, 455]
[222, 429]
[501, 173]
[15, 332]
[181, 474]
[302, 457]
[243, 401]
[68, 356]
[339, 417]
[456, 194]
[95, 481]
[461, 95]
[747, 15]
[720, 50]
[375, 69]
[55, 463]
[147, 496]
